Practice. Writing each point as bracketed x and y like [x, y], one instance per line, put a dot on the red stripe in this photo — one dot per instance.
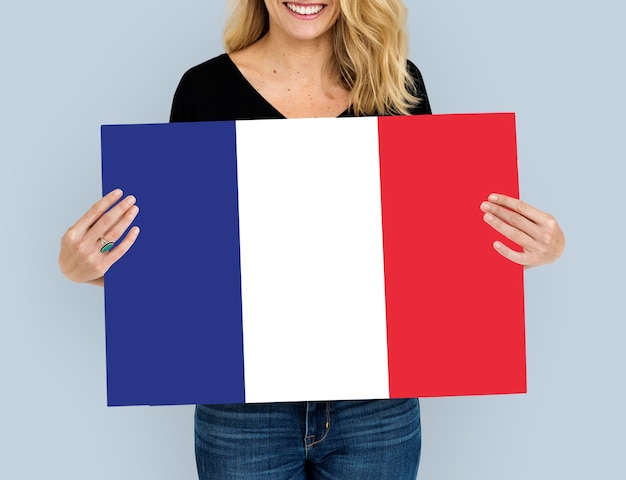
[455, 312]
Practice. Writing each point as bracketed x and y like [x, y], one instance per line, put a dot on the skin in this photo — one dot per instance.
[537, 232]
[80, 259]
[294, 30]
[285, 67]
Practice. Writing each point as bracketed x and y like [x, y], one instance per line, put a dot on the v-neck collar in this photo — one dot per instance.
[246, 82]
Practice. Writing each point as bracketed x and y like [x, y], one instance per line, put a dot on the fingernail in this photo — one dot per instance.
[117, 192]
[493, 197]
[130, 199]
[497, 245]
[485, 206]
[488, 217]
[134, 210]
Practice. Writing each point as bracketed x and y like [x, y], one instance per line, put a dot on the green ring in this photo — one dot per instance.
[106, 247]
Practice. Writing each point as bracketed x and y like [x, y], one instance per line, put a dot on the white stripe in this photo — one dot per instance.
[312, 259]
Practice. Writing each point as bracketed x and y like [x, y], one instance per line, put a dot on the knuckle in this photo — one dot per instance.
[496, 222]
[95, 210]
[513, 219]
[82, 252]
[517, 236]
[90, 263]
[70, 236]
[114, 234]
[547, 238]
[495, 209]
[107, 221]
[544, 253]
[133, 211]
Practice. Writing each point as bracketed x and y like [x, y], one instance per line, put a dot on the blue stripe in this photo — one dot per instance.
[173, 303]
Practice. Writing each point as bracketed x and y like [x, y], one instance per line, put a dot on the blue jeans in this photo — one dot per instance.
[377, 440]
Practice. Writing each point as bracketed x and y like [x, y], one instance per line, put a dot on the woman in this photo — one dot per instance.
[304, 59]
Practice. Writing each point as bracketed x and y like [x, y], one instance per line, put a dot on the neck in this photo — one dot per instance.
[305, 57]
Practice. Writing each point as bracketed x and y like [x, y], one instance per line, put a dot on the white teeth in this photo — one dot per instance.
[305, 10]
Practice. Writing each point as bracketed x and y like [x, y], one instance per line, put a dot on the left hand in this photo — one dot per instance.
[537, 232]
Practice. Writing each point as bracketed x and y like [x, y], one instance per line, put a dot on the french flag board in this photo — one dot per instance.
[313, 259]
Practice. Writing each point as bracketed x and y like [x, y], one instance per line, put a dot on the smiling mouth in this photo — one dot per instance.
[304, 9]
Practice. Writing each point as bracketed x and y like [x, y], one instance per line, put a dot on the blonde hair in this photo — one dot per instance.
[369, 55]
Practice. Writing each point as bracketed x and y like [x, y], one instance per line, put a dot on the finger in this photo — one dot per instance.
[519, 206]
[521, 258]
[122, 247]
[117, 230]
[509, 231]
[512, 218]
[111, 218]
[85, 222]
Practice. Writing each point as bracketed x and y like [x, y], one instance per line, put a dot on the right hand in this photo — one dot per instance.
[80, 258]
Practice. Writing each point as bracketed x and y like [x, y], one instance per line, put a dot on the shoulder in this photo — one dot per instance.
[419, 89]
[217, 90]
[202, 86]
[208, 71]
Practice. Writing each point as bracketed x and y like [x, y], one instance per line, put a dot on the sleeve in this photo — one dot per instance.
[423, 108]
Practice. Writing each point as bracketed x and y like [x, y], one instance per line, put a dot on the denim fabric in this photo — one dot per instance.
[377, 440]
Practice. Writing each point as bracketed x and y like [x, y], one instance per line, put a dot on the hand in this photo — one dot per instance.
[537, 232]
[80, 258]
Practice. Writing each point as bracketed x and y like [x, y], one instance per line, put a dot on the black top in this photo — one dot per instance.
[216, 90]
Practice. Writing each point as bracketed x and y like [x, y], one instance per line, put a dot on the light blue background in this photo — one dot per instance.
[69, 66]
